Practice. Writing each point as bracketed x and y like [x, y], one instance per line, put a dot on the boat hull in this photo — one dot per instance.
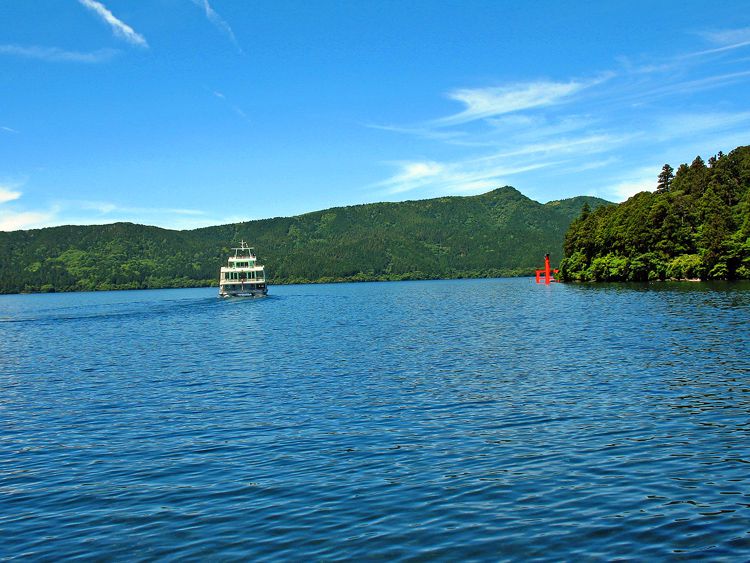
[259, 292]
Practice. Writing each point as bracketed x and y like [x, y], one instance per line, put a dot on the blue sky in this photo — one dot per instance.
[187, 113]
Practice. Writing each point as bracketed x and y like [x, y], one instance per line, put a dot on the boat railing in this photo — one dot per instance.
[243, 280]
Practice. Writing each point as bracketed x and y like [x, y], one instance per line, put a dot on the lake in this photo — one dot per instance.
[451, 420]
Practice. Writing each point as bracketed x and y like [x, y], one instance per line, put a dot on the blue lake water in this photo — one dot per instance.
[451, 420]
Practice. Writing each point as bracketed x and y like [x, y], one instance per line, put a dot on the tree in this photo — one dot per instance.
[699, 228]
[665, 178]
[715, 233]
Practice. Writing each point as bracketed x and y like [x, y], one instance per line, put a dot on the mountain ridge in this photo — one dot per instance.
[500, 232]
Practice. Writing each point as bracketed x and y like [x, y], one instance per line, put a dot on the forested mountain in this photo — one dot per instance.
[498, 233]
[696, 225]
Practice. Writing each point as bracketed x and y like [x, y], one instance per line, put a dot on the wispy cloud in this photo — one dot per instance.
[218, 22]
[727, 36]
[119, 28]
[525, 128]
[723, 42]
[452, 177]
[726, 40]
[482, 103]
[7, 129]
[108, 208]
[8, 194]
[481, 173]
[99, 212]
[413, 175]
[689, 87]
[425, 132]
[235, 108]
[579, 134]
[639, 180]
[588, 144]
[56, 55]
[716, 50]
[14, 221]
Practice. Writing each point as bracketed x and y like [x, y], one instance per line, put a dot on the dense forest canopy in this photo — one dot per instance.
[695, 225]
[498, 233]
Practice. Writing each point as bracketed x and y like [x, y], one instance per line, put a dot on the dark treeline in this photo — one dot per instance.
[499, 233]
[695, 225]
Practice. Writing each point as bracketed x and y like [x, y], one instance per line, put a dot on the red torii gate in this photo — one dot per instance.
[547, 272]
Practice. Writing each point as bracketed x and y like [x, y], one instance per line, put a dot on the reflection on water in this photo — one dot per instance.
[482, 419]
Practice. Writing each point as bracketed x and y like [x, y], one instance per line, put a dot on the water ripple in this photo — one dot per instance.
[472, 420]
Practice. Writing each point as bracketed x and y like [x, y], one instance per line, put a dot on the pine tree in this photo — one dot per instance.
[665, 178]
[714, 234]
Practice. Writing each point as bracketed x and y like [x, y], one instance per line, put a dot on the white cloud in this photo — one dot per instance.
[218, 22]
[14, 221]
[120, 28]
[453, 177]
[722, 49]
[481, 173]
[482, 103]
[7, 194]
[640, 180]
[569, 130]
[589, 144]
[101, 207]
[56, 55]
[107, 208]
[83, 212]
[8, 129]
[415, 171]
[521, 128]
[727, 40]
[412, 175]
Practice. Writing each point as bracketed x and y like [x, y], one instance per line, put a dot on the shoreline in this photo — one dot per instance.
[413, 276]
[372, 279]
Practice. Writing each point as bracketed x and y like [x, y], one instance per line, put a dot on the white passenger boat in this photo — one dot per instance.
[243, 276]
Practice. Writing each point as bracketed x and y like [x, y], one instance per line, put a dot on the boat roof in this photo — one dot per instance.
[243, 250]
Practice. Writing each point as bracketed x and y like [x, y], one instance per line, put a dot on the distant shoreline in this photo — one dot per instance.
[416, 276]
[372, 279]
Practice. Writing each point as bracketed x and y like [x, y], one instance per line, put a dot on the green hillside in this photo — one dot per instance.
[498, 233]
[696, 225]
